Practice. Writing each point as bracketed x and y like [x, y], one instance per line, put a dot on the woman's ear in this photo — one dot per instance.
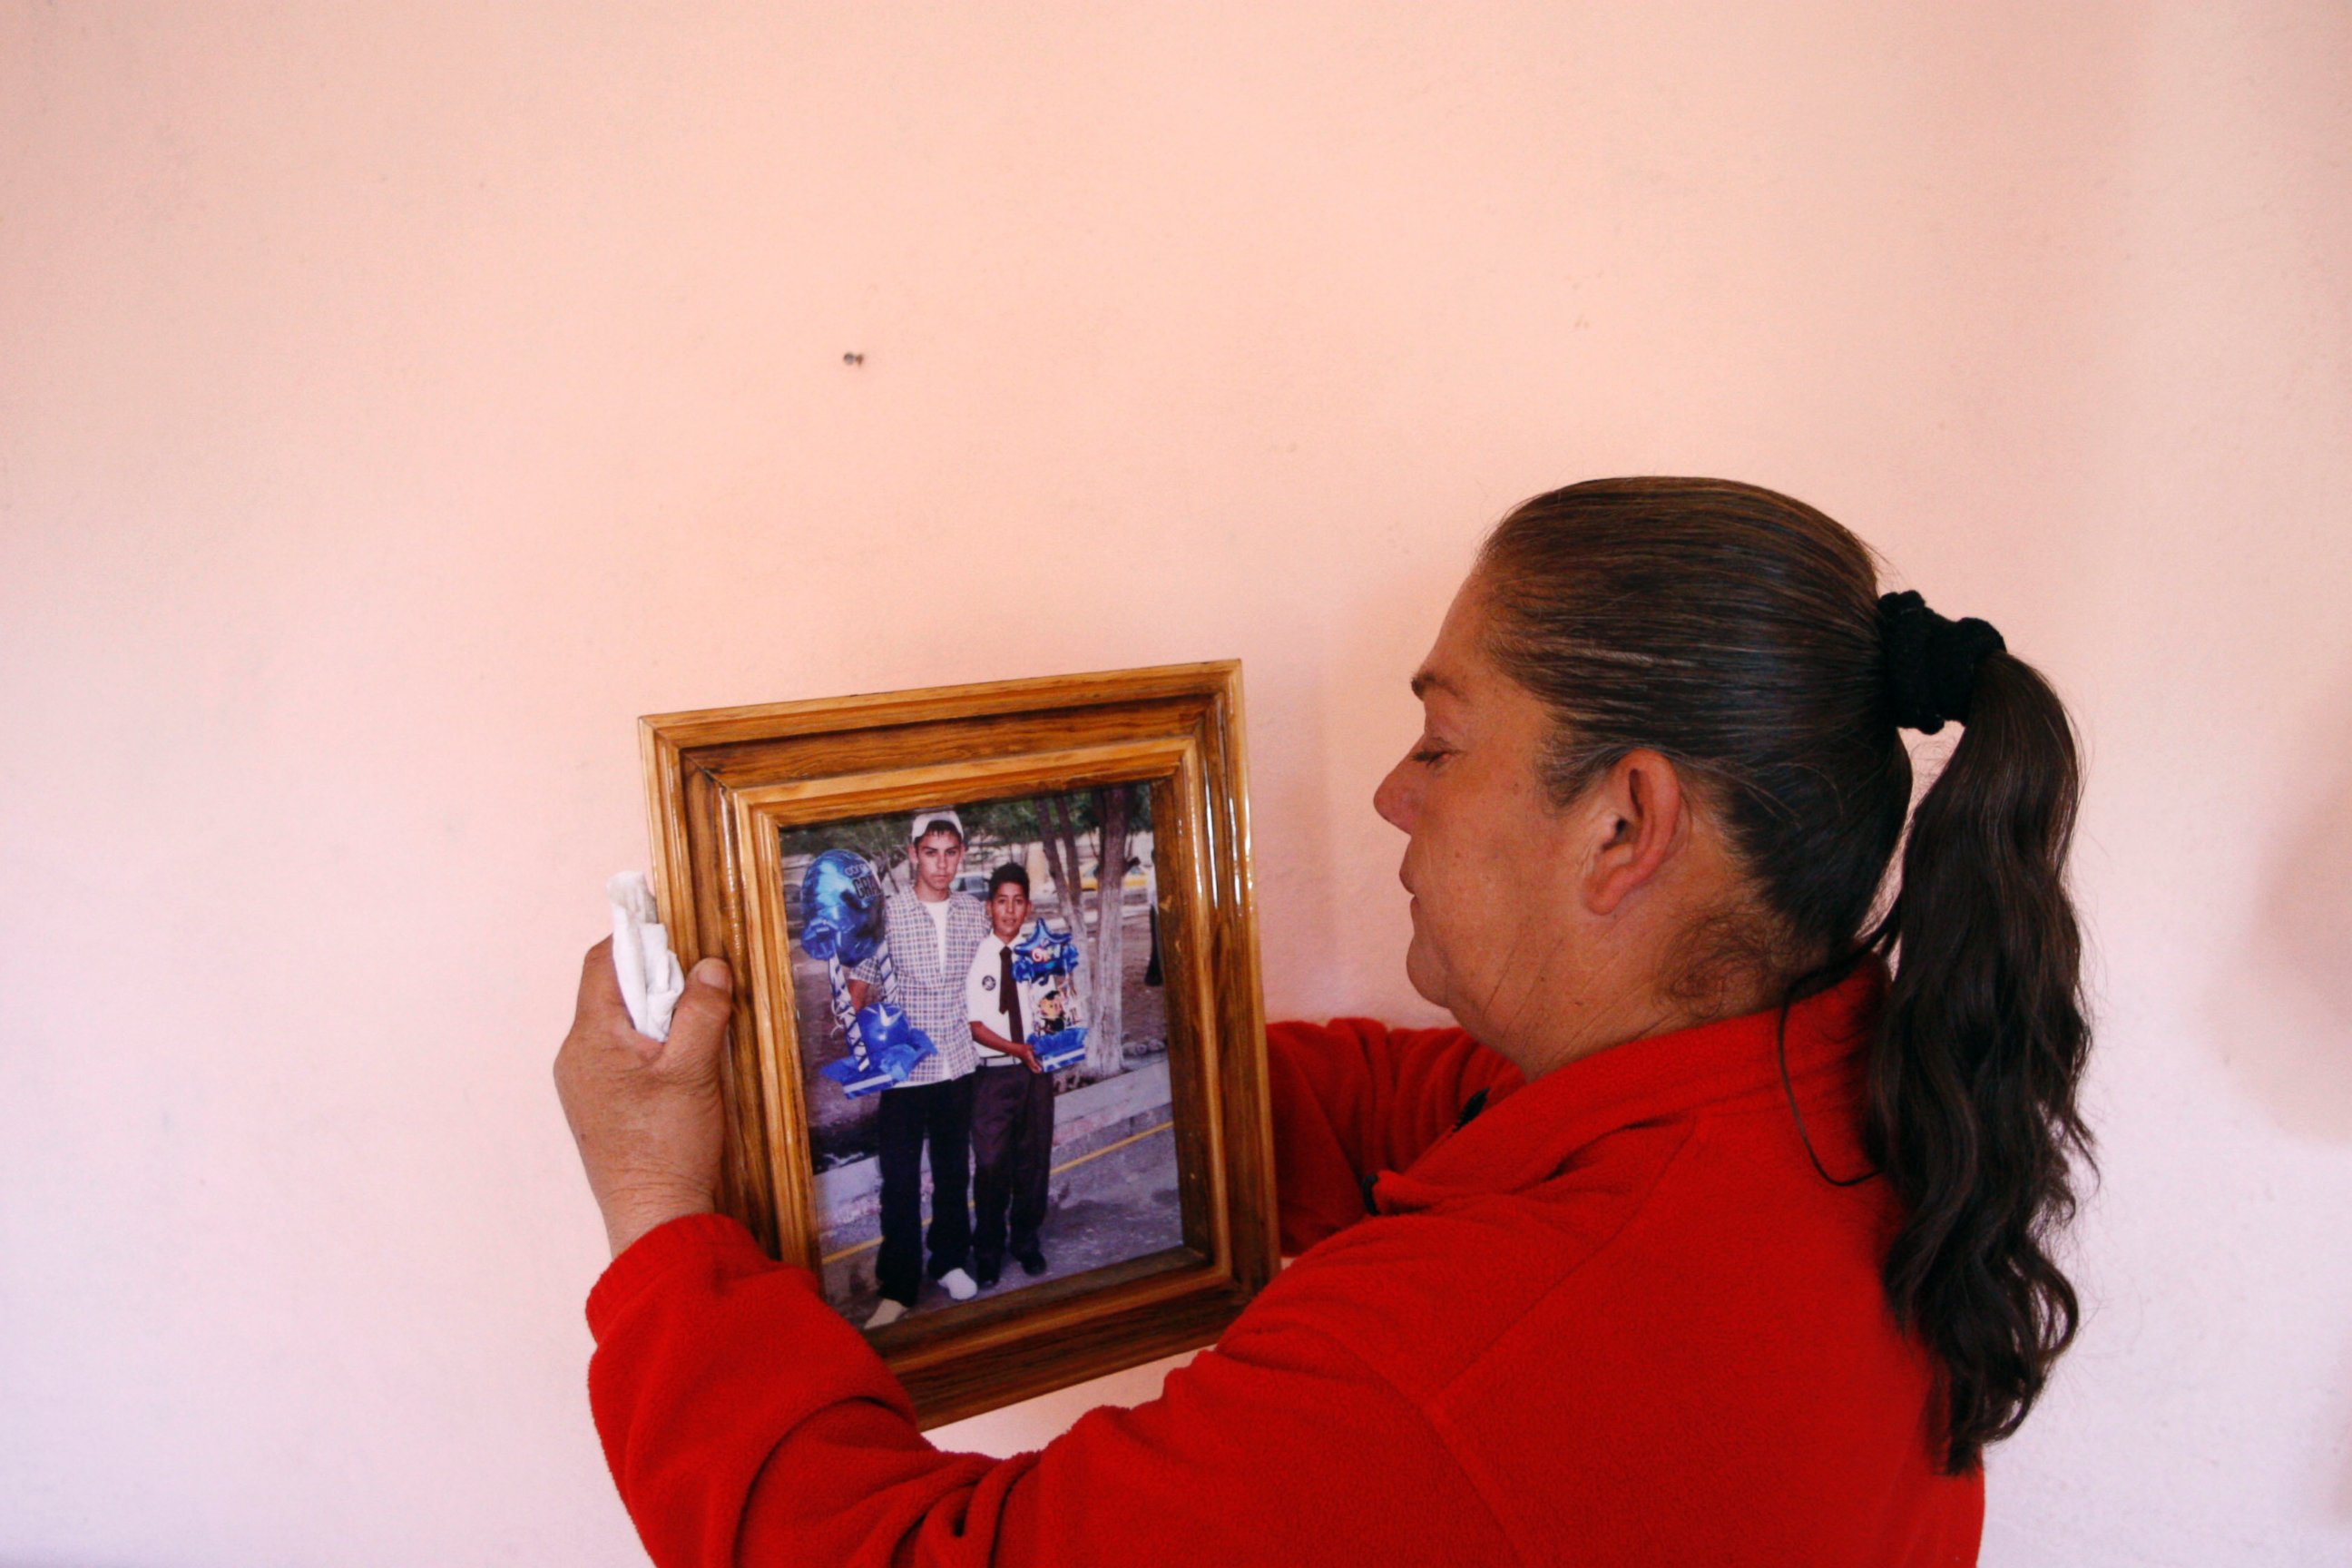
[1641, 818]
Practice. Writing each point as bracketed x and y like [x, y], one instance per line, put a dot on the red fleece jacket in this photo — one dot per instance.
[1616, 1318]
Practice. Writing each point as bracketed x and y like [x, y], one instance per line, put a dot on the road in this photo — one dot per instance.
[1106, 1207]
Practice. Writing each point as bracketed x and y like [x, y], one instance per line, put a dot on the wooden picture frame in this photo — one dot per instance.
[726, 790]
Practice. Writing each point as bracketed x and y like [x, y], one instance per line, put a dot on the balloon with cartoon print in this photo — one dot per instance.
[1041, 952]
[841, 907]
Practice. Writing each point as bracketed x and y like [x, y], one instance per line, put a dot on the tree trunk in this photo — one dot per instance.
[1105, 1046]
[1060, 838]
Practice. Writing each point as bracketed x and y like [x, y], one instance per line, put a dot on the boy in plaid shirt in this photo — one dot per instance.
[933, 933]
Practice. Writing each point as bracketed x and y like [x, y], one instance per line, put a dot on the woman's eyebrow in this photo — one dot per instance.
[1426, 681]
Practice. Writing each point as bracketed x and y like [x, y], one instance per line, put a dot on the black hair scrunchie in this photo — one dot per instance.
[1931, 663]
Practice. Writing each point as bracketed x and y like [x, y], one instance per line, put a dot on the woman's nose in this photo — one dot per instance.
[1394, 799]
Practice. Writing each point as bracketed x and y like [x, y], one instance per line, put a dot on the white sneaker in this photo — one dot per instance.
[887, 1313]
[961, 1286]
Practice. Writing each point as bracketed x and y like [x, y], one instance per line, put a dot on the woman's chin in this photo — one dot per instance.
[1424, 974]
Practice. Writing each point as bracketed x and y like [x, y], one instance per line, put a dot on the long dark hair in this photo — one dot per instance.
[1739, 634]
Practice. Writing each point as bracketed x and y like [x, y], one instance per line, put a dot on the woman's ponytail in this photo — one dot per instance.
[1973, 1115]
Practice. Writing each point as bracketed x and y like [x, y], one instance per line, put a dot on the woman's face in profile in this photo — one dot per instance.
[1490, 863]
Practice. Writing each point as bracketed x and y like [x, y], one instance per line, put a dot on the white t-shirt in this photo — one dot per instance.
[983, 995]
[938, 913]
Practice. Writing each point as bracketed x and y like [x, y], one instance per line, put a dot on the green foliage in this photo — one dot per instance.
[987, 824]
[1002, 821]
[881, 839]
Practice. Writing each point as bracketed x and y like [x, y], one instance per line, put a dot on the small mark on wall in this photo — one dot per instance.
[853, 358]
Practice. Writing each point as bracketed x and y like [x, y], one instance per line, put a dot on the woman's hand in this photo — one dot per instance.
[646, 1112]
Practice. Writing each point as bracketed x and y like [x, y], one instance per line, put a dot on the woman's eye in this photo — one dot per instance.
[1428, 754]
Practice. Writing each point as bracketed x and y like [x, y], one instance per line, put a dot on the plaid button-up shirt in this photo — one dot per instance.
[931, 982]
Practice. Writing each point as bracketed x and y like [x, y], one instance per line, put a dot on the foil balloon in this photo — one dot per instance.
[885, 1048]
[1041, 952]
[841, 907]
[892, 1042]
[1061, 1048]
[843, 923]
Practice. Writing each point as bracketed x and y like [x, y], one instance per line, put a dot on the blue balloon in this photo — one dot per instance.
[1041, 952]
[841, 907]
[1067, 1047]
[893, 1044]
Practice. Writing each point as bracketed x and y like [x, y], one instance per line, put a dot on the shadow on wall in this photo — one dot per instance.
[2293, 1046]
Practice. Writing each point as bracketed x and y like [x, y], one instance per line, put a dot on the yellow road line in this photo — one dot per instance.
[1065, 1165]
[1099, 1153]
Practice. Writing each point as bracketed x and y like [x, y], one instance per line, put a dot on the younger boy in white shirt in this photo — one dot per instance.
[1013, 1097]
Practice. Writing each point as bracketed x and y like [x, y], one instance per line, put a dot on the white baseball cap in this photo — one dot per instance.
[926, 820]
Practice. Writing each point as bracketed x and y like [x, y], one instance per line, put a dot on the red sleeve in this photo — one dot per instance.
[747, 1424]
[1353, 1097]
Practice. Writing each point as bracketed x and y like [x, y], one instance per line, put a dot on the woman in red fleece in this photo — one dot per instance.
[1706, 1239]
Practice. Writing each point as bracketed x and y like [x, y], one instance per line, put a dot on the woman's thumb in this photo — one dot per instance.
[700, 1024]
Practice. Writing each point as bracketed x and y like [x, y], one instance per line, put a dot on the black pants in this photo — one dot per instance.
[939, 1114]
[1012, 1152]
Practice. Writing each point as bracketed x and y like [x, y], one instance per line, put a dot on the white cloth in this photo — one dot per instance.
[651, 980]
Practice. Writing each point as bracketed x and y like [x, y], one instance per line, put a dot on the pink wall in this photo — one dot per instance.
[392, 407]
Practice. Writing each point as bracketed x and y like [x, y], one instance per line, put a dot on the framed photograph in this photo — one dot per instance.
[999, 1061]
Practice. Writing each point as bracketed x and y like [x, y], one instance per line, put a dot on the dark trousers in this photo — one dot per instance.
[940, 1115]
[1012, 1152]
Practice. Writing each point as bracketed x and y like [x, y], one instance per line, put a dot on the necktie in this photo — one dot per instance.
[1011, 999]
